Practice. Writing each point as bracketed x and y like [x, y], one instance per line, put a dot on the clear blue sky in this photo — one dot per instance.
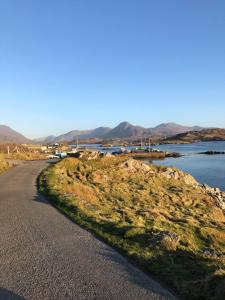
[79, 64]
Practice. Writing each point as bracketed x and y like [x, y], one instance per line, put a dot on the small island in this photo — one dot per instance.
[210, 152]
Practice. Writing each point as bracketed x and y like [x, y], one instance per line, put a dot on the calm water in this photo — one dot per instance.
[209, 169]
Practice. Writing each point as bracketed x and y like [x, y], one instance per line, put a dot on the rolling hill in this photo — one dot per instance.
[213, 134]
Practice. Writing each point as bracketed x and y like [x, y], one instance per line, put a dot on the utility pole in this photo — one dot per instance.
[77, 143]
[149, 145]
[8, 150]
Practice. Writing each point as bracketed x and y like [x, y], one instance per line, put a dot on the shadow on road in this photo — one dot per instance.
[8, 295]
[40, 198]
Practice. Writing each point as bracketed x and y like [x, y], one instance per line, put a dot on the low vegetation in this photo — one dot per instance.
[159, 217]
[4, 166]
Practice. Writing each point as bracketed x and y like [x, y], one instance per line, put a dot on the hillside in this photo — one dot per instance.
[124, 130]
[214, 134]
[8, 135]
[160, 217]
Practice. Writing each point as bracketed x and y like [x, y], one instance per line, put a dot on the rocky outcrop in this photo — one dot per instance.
[136, 166]
[172, 173]
[216, 194]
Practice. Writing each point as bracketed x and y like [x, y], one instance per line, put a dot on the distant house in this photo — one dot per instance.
[54, 146]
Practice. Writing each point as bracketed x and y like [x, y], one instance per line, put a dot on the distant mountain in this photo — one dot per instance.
[46, 139]
[168, 129]
[127, 130]
[124, 130]
[72, 135]
[212, 134]
[83, 134]
[99, 132]
[8, 135]
[50, 138]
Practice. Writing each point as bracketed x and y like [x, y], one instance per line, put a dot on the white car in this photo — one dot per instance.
[52, 156]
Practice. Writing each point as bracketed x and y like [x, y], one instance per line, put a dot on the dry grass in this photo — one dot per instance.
[23, 156]
[163, 224]
[4, 166]
[21, 152]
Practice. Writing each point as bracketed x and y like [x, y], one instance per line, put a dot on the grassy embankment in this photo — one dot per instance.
[170, 228]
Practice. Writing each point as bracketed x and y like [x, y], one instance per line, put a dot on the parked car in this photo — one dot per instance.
[52, 156]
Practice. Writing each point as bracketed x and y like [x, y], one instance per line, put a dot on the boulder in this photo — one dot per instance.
[179, 175]
[135, 166]
[216, 194]
[166, 239]
[212, 253]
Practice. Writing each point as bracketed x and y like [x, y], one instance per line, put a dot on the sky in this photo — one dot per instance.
[80, 64]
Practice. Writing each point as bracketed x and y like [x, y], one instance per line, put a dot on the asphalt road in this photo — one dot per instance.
[43, 255]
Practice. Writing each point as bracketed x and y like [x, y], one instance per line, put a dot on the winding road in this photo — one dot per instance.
[43, 255]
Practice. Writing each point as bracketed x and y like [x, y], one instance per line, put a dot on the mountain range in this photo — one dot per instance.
[122, 131]
[125, 130]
